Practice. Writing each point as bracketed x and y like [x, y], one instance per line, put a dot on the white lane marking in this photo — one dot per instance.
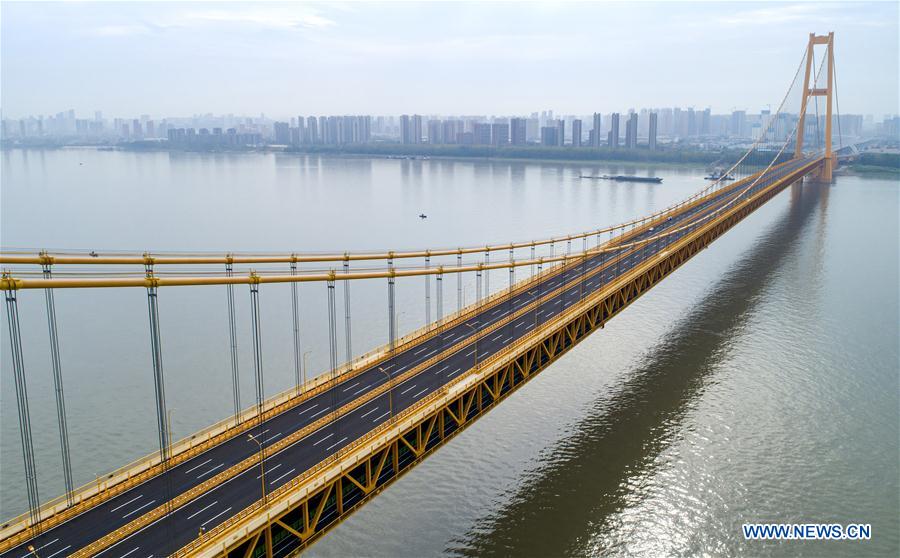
[286, 474]
[196, 467]
[360, 390]
[470, 353]
[401, 369]
[121, 506]
[350, 386]
[226, 510]
[308, 409]
[375, 408]
[336, 443]
[555, 303]
[454, 372]
[495, 311]
[60, 551]
[498, 337]
[139, 509]
[425, 348]
[130, 551]
[319, 413]
[541, 312]
[219, 466]
[323, 439]
[429, 354]
[507, 340]
[421, 392]
[272, 437]
[198, 512]
[270, 470]
[520, 324]
[407, 389]
[376, 419]
[442, 369]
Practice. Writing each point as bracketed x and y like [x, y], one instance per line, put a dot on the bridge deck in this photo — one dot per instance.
[306, 434]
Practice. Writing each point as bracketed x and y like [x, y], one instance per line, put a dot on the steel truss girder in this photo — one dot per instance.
[310, 518]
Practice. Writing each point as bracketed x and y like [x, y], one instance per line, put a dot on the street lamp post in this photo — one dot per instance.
[390, 392]
[262, 466]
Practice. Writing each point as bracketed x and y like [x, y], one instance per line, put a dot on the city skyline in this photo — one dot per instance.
[470, 58]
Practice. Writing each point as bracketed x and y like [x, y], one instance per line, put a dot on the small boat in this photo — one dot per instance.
[718, 174]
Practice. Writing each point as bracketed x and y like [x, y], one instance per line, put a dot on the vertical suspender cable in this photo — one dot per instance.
[459, 289]
[232, 333]
[487, 275]
[392, 315]
[295, 307]
[15, 342]
[332, 344]
[347, 331]
[532, 259]
[440, 294]
[257, 346]
[58, 388]
[427, 292]
[158, 379]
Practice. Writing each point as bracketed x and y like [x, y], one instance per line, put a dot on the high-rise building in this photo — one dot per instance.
[151, 130]
[549, 136]
[500, 133]
[651, 133]
[481, 133]
[739, 124]
[613, 138]
[312, 130]
[416, 128]
[450, 130]
[435, 134]
[136, 130]
[631, 129]
[576, 133]
[560, 131]
[405, 129]
[282, 133]
[596, 138]
[704, 122]
[518, 131]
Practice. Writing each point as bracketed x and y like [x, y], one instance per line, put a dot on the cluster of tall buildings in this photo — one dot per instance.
[544, 130]
[327, 130]
[646, 127]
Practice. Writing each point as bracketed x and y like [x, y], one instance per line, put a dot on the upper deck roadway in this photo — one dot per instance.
[560, 290]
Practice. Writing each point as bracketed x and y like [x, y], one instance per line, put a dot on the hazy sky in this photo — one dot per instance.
[170, 59]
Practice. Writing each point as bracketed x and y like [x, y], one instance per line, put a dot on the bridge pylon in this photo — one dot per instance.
[828, 40]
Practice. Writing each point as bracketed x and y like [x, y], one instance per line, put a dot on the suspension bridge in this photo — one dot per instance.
[271, 479]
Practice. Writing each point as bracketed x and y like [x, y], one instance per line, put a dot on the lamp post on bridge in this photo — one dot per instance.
[390, 379]
[262, 466]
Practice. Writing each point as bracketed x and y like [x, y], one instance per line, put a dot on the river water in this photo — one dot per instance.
[759, 383]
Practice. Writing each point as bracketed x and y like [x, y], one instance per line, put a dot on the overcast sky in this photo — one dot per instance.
[172, 59]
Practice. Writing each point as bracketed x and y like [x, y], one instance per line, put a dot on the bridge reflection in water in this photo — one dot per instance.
[564, 502]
